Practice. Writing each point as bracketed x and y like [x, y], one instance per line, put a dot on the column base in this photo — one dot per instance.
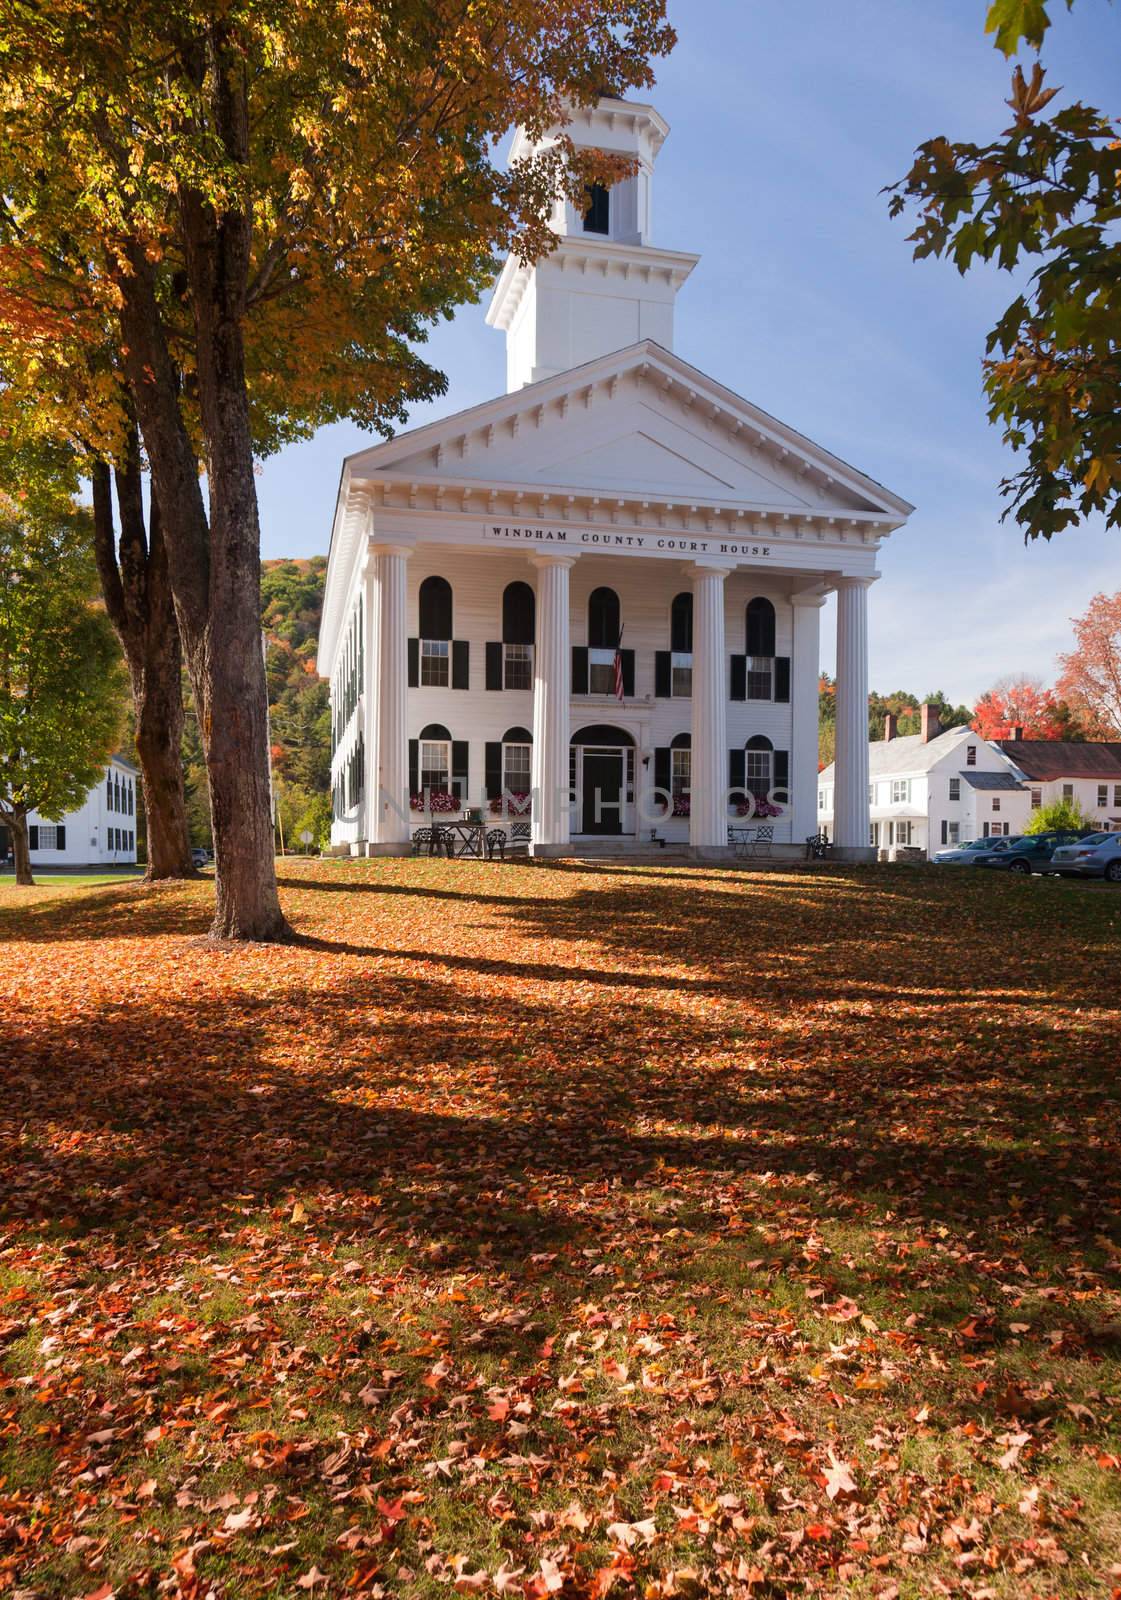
[854, 852]
[710, 852]
[397, 847]
[550, 852]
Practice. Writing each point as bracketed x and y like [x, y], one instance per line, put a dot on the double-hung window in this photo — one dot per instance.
[601, 671]
[955, 788]
[759, 773]
[1037, 799]
[1103, 795]
[435, 663]
[48, 836]
[681, 673]
[517, 666]
[1068, 791]
[435, 765]
[516, 777]
[971, 755]
[996, 802]
[681, 771]
[760, 677]
[900, 791]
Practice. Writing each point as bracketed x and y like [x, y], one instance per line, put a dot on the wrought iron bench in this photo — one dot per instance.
[818, 847]
[496, 844]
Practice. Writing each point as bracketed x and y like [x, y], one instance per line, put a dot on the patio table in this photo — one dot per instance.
[471, 837]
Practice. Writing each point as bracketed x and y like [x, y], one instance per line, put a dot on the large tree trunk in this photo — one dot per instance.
[137, 590]
[21, 850]
[215, 570]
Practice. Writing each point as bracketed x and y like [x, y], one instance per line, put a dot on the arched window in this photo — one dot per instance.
[681, 623]
[597, 218]
[435, 609]
[517, 760]
[518, 622]
[435, 633]
[760, 627]
[435, 768]
[603, 640]
[760, 649]
[603, 619]
[760, 766]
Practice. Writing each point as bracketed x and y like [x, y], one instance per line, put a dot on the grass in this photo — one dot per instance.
[533, 1230]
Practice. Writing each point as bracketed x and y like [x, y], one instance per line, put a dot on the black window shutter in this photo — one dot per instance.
[494, 664]
[737, 771]
[739, 677]
[414, 663]
[945, 831]
[782, 775]
[579, 669]
[461, 663]
[628, 673]
[782, 678]
[459, 768]
[33, 836]
[493, 768]
[60, 837]
[663, 773]
[663, 677]
[414, 766]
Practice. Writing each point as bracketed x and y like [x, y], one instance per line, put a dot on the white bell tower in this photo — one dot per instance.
[605, 286]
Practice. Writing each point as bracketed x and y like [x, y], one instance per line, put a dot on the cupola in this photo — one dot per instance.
[606, 285]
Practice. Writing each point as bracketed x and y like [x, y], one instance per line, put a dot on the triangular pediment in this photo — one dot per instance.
[639, 421]
[635, 458]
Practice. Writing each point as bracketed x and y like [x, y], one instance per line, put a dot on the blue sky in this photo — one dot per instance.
[788, 117]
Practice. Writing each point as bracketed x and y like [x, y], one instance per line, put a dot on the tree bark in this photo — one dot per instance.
[138, 599]
[21, 850]
[214, 566]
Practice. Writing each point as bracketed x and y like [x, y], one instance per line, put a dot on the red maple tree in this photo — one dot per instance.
[1020, 702]
[1090, 678]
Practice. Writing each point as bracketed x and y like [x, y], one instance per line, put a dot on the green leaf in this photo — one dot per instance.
[1014, 21]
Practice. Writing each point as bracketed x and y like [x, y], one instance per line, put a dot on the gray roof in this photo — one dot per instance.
[991, 780]
[907, 753]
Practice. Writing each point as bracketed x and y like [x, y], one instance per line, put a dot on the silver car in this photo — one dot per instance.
[962, 855]
[1098, 856]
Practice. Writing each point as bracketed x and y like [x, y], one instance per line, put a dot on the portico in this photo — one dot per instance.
[595, 600]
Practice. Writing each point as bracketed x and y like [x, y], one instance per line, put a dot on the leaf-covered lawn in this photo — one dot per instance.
[544, 1231]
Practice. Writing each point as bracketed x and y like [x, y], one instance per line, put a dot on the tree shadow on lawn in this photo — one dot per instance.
[143, 1116]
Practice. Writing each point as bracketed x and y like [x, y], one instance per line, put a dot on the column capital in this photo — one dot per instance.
[547, 559]
[857, 583]
[391, 547]
[706, 569]
[808, 599]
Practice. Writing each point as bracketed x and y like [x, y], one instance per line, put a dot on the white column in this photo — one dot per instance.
[552, 692]
[391, 685]
[851, 829]
[805, 675]
[369, 691]
[708, 809]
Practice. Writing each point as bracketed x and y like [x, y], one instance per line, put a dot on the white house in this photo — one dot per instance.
[101, 832]
[603, 587]
[934, 788]
[1056, 769]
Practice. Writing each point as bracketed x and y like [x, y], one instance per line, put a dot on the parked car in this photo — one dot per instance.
[1031, 852]
[1098, 856]
[199, 856]
[962, 855]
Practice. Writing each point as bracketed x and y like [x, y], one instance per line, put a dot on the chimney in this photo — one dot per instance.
[891, 727]
[1018, 732]
[931, 727]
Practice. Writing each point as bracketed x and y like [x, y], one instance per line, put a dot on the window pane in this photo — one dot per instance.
[681, 775]
[681, 675]
[516, 768]
[435, 765]
[518, 660]
[760, 671]
[601, 672]
[759, 773]
[435, 661]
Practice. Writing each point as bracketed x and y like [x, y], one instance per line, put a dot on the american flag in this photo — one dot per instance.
[619, 667]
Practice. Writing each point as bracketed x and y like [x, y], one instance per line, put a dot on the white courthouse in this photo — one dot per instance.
[616, 521]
